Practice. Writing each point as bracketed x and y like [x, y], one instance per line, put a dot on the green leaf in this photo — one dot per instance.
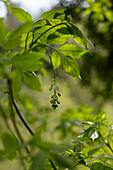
[51, 14]
[16, 81]
[24, 28]
[21, 15]
[55, 59]
[23, 39]
[98, 150]
[70, 66]
[39, 23]
[108, 167]
[97, 166]
[31, 81]
[12, 44]
[28, 61]
[62, 160]
[10, 144]
[79, 36]
[39, 161]
[72, 51]
[2, 31]
[58, 37]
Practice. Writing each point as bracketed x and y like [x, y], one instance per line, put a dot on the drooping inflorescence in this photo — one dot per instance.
[56, 94]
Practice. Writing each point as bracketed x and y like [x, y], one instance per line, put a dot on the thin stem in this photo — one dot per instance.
[15, 124]
[44, 33]
[16, 108]
[54, 167]
[52, 65]
[26, 41]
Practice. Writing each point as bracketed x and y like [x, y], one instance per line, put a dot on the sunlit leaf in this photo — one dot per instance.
[72, 51]
[55, 59]
[51, 14]
[59, 37]
[2, 31]
[97, 150]
[70, 66]
[21, 15]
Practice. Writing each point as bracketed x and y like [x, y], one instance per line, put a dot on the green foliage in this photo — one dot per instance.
[32, 45]
[21, 15]
[70, 66]
[55, 59]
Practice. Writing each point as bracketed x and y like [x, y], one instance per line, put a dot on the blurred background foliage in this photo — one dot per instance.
[81, 99]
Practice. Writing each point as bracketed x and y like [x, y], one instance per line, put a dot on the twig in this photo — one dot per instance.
[15, 125]
[16, 108]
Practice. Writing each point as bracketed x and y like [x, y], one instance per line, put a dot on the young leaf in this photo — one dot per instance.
[28, 61]
[21, 15]
[2, 31]
[55, 59]
[39, 161]
[31, 81]
[72, 51]
[70, 66]
[51, 14]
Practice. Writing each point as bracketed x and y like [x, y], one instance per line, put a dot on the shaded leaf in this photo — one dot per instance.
[28, 61]
[72, 51]
[97, 165]
[31, 81]
[10, 145]
[16, 81]
[62, 160]
[39, 161]
[24, 28]
[70, 66]
[21, 15]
